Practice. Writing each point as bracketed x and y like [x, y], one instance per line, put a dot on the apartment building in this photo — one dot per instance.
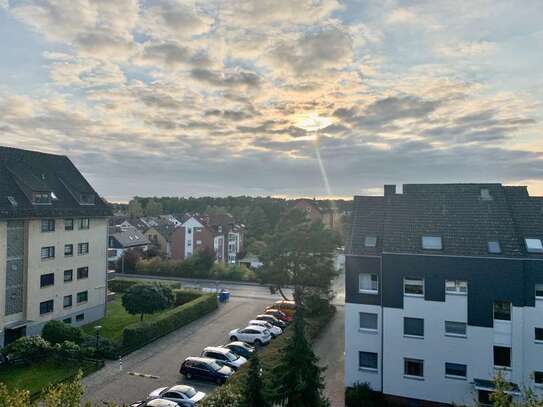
[444, 288]
[53, 244]
[192, 236]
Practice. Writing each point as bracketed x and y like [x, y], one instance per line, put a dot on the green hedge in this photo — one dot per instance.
[140, 334]
[184, 296]
[122, 285]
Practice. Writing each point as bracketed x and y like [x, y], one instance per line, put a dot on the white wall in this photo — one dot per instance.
[189, 225]
[3, 252]
[533, 351]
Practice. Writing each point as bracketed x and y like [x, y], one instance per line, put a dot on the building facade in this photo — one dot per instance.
[444, 288]
[53, 244]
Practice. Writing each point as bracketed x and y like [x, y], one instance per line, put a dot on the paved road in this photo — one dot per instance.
[163, 357]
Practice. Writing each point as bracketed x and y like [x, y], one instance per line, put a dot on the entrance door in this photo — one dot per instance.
[11, 335]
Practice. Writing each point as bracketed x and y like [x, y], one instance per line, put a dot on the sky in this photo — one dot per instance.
[276, 97]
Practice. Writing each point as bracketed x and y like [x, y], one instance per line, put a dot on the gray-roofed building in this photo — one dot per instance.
[444, 287]
[125, 238]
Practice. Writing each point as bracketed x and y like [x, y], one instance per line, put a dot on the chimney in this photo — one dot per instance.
[390, 190]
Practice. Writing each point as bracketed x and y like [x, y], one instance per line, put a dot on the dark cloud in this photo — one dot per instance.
[226, 79]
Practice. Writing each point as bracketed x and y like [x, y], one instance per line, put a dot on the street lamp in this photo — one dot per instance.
[97, 329]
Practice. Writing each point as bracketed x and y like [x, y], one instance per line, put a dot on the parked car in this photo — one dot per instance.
[181, 394]
[288, 307]
[272, 320]
[155, 403]
[241, 349]
[206, 369]
[257, 335]
[224, 356]
[274, 330]
[280, 315]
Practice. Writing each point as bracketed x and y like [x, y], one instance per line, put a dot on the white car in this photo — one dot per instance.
[274, 330]
[224, 356]
[254, 334]
[155, 403]
[181, 394]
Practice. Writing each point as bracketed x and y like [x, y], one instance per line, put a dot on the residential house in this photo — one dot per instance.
[122, 239]
[322, 212]
[160, 236]
[444, 289]
[53, 247]
[192, 236]
[229, 237]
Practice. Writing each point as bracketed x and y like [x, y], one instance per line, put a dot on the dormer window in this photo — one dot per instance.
[494, 247]
[41, 198]
[534, 245]
[370, 241]
[86, 199]
[485, 194]
[432, 243]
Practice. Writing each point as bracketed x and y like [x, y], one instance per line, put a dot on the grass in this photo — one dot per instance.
[39, 375]
[116, 320]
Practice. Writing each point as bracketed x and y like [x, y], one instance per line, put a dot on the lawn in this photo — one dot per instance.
[37, 376]
[116, 320]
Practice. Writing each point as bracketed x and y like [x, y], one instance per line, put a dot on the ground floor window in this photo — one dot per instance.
[367, 360]
[413, 367]
[502, 356]
[456, 370]
[80, 317]
[538, 377]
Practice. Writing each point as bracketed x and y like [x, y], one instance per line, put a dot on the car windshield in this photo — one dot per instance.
[190, 392]
[214, 365]
[231, 356]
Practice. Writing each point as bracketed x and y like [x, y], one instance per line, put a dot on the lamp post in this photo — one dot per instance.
[97, 329]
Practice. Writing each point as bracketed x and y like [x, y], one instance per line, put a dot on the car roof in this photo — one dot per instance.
[265, 315]
[216, 349]
[257, 322]
[161, 403]
[257, 327]
[200, 359]
[182, 388]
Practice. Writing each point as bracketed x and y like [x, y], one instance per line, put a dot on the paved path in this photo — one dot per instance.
[163, 357]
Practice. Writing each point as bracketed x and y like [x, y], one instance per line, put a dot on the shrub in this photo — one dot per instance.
[232, 273]
[316, 305]
[147, 299]
[139, 334]
[59, 332]
[67, 350]
[361, 395]
[106, 348]
[120, 285]
[184, 296]
[30, 348]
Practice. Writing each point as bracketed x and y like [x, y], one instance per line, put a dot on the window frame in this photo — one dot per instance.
[426, 244]
[502, 367]
[371, 368]
[64, 306]
[86, 297]
[69, 228]
[457, 287]
[455, 376]
[84, 223]
[71, 252]
[538, 373]
[494, 247]
[536, 250]
[410, 282]
[413, 335]
[536, 339]
[405, 370]
[48, 275]
[82, 273]
[494, 312]
[453, 334]
[538, 287]
[370, 242]
[50, 253]
[47, 311]
[50, 225]
[369, 290]
[366, 329]
[80, 246]
[80, 317]
[71, 275]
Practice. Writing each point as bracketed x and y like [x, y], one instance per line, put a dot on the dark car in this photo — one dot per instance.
[205, 369]
[241, 349]
[280, 315]
[272, 320]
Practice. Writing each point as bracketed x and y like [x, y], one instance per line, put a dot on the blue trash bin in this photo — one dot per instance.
[224, 296]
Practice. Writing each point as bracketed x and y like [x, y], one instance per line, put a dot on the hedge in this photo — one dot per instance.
[142, 333]
[184, 296]
[122, 285]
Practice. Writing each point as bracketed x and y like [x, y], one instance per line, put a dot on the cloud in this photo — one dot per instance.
[171, 54]
[466, 49]
[226, 79]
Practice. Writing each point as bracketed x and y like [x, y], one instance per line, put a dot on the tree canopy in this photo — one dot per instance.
[143, 299]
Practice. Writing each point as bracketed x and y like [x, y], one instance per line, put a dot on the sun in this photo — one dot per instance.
[312, 121]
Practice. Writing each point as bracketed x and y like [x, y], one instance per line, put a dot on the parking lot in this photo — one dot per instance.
[163, 357]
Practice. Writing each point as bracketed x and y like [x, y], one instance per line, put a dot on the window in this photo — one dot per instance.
[502, 356]
[456, 370]
[86, 199]
[494, 247]
[82, 272]
[47, 279]
[84, 223]
[413, 286]
[432, 243]
[68, 224]
[368, 283]
[67, 320]
[368, 321]
[80, 317]
[534, 245]
[83, 296]
[48, 225]
[538, 334]
[413, 367]
[413, 327]
[370, 241]
[68, 250]
[48, 252]
[42, 198]
[453, 328]
[189, 231]
[198, 242]
[367, 360]
[456, 287]
[485, 194]
[46, 307]
[68, 275]
[539, 291]
[67, 301]
[502, 310]
[538, 377]
[82, 248]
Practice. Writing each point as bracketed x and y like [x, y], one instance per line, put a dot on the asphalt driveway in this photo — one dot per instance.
[163, 357]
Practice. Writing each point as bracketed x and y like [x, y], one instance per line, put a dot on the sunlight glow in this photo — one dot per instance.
[312, 122]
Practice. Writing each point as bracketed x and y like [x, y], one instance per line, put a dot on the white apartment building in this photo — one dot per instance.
[53, 244]
[444, 289]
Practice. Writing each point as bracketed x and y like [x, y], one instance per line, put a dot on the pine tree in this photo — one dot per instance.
[298, 377]
[253, 395]
[153, 208]
[135, 210]
[257, 223]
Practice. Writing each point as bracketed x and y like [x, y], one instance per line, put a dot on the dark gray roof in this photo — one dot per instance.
[129, 237]
[458, 213]
[23, 173]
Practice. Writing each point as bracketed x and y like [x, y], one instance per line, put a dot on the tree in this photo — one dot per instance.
[135, 210]
[300, 254]
[298, 378]
[58, 332]
[257, 223]
[252, 392]
[147, 298]
[153, 208]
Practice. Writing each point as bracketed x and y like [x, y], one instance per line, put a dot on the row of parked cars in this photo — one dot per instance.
[218, 363]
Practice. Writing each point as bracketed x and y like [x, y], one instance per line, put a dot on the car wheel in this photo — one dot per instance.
[219, 381]
[188, 375]
[258, 342]
[233, 339]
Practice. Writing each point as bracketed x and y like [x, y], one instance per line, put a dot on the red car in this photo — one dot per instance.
[280, 315]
